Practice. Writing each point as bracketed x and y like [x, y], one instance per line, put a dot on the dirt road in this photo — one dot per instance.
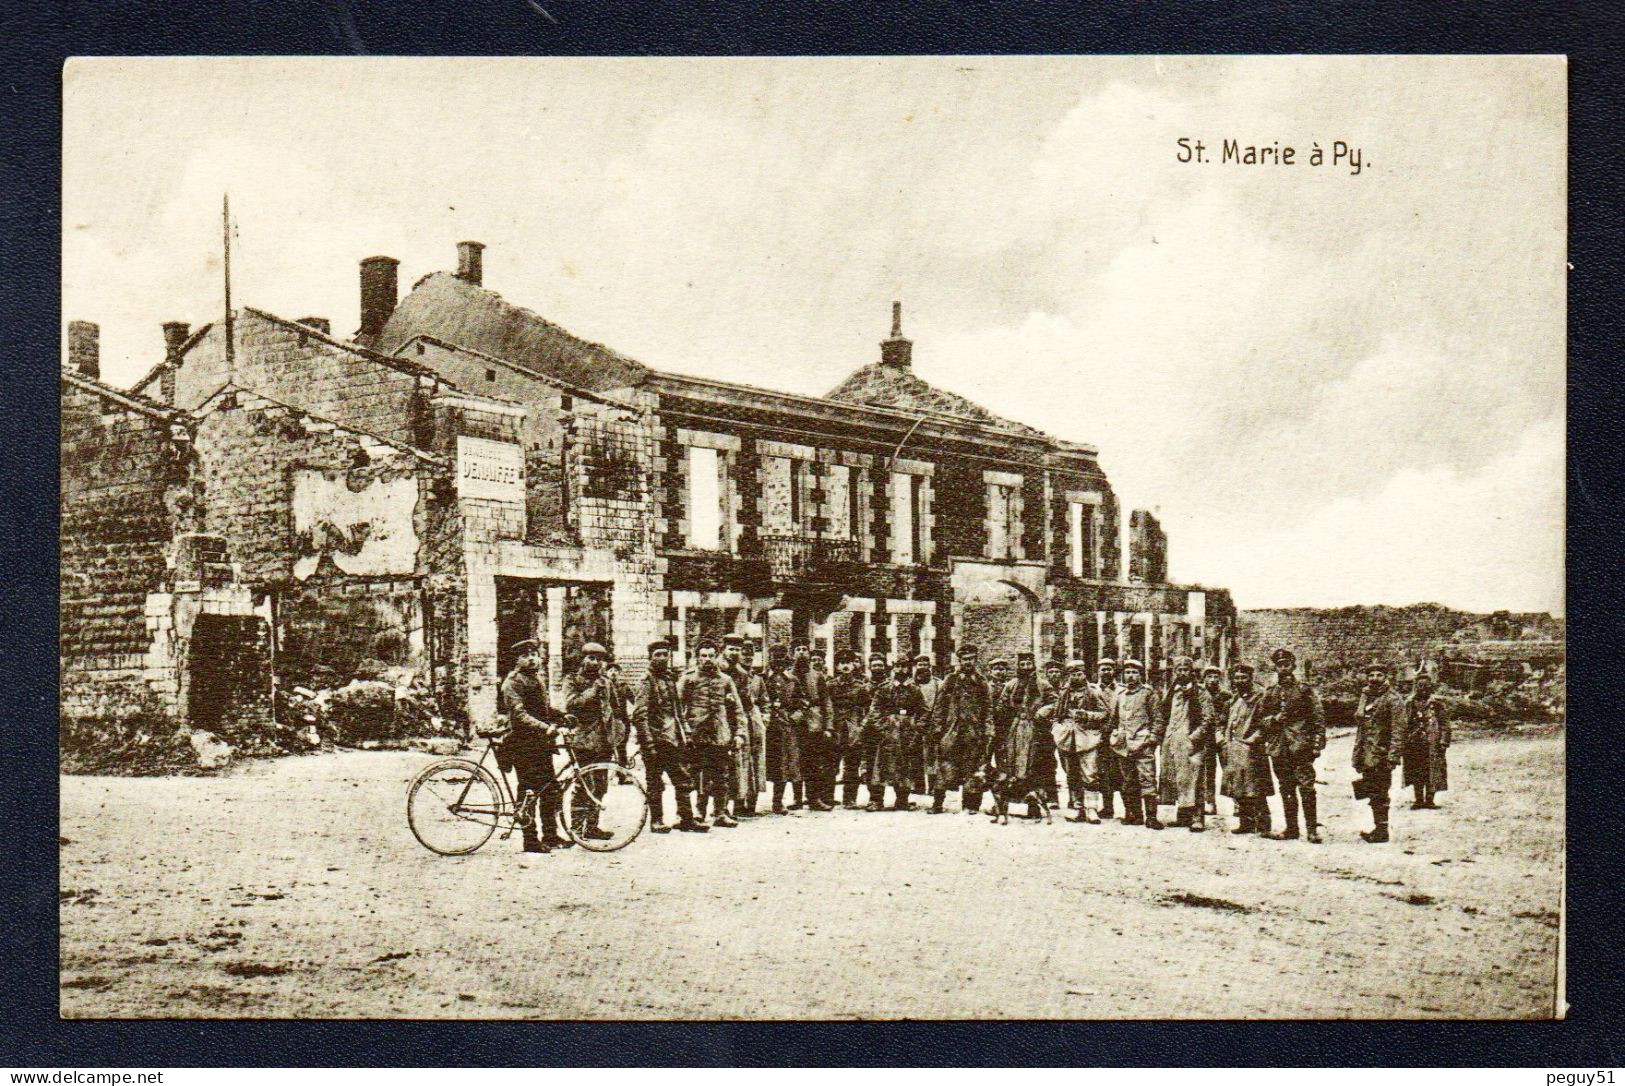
[292, 888]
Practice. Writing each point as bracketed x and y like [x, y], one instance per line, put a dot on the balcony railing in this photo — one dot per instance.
[798, 558]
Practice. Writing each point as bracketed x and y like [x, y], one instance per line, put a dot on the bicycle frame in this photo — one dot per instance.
[508, 807]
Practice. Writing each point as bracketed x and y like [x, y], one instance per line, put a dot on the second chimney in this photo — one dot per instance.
[895, 351]
[84, 347]
[175, 333]
[470, 261]
[379, 289]
[321, 324]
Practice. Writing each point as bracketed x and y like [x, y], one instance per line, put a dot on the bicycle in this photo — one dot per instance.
[454, 805]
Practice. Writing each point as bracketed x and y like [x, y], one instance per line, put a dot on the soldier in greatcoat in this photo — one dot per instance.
[1295, 731]
[1427, 737]
[961, 724]
[817, 743]
[1379, 736]
[1111, 776]
[1135, 723]
[1026, 703]
[662, 733]
[1215, 703]
[1187, 735]
[1078, 728]
[597, 703]
[533, 727]
[747, 783]
[785, 705]
[715, 721]
[920, 747]
[1246, 755]
[895, 714]
[849, 695]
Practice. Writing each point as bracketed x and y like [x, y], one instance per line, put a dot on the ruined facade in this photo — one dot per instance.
[464, 474]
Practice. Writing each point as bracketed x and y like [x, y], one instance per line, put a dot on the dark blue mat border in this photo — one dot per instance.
[39, 35]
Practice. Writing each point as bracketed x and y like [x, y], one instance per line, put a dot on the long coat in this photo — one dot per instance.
[1078, 724]
[961, 720]
[748, 777]
[786, 714]
[1379, 733]
[1026, 705]
[532, 719]
[897, 712]
[599, 706]
[1427, 736]
[1294, 722]
[849, 697]
[1246, 757]
[1185, 742]
[656, 716]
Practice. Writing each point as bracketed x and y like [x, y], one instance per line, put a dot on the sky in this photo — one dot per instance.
[1333, 388]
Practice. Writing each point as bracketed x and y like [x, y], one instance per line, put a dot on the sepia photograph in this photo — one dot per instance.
[818, 538]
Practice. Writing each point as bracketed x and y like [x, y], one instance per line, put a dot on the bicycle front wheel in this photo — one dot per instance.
[604, 807]
[454, 805]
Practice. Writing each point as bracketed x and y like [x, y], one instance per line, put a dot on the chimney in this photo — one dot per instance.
[175, 333]
[84, 348]
[895, 351]
[379, 289]
[321, 324]
[470, 263]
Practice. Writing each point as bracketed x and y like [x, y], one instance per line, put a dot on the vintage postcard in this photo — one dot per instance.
[852, 538]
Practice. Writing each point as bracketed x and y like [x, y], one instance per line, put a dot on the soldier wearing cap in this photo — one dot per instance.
[1246, 756]
[1427, 738]
[895, 714]
[1026, 752]
[921, 744]
[1295, 732]
[533, 725]
[1215, 704]
[961, 728]
[1379, 737]
[1187, 735]
[784, 706]
[810, 692]
[662, 733]
[746, 781]
[849, 694]
[1111, 773]
[1078, 729]
[599, 708]
[1136, 722]
[715, 719]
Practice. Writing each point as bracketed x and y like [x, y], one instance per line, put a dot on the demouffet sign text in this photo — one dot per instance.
[490, 469]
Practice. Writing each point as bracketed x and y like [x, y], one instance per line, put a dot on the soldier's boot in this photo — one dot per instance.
[1152, 822]
[1378, 833]
[1198, 820]
[938, 798]
[1182, 817]
[1108, 809]
[723, 819]
[796, 795]
[1311, 821]
[657, 813]
[901, 800]
[1133, 810]
[970, 800]
[1420, 803]
[1244, 817]
[1289, 804]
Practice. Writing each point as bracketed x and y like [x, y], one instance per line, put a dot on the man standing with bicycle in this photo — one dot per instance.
[663, 737]
[715, 719]
[533, 724]
[594, 701]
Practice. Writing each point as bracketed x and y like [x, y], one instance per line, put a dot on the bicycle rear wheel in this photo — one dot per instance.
[604, 807]
[454, 806]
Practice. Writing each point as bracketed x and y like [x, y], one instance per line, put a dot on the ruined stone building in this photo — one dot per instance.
[464, 474]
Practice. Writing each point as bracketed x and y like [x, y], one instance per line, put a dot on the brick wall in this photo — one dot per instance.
[125, 490]
[303, 369]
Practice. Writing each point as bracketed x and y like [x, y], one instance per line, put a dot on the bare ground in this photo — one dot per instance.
[292, 888]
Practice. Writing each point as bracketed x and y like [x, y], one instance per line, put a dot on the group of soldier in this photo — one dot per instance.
[723, 733]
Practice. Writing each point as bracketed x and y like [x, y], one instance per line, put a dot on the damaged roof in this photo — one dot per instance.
[882, 385]
[452, 309]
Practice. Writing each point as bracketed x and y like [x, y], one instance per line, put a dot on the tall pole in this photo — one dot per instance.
[225, 227]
